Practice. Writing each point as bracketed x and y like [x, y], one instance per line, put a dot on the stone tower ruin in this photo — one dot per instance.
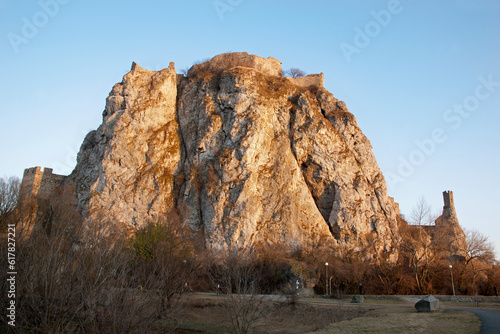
[39, 184]
[448, 221]
[35, 193]
[448, 200]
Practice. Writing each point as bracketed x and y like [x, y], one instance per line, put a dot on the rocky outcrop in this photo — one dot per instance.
[245, 156]
[126, 167]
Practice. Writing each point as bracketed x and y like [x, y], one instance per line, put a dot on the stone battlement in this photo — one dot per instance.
[38, 183]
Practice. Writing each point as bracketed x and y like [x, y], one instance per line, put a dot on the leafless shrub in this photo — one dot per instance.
[48, 293]
[204, 60]
[74, 277]
[421, 249]
[9, 194]
[164, 267]
[239, 277]
[478, 260]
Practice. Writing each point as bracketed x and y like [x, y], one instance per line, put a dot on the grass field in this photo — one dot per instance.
[211, 314]
[407, 320]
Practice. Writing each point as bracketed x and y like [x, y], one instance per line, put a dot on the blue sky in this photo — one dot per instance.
[422, 78]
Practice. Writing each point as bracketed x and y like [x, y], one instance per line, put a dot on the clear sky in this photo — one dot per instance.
[422, 78]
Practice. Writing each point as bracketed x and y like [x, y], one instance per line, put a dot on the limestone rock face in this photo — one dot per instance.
[126, 167]
[342, 174]
[237, 137]
[245, 156]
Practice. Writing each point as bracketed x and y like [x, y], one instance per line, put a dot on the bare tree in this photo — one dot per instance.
[420, 216]
[480, 251]
[9, 195]
[73, 277]
[422, 246]
[165, 265]
[295, 73]
[102, 264]
[82, 275]
[479, 247]
[48, 289]
[421, 213]
[240, 279]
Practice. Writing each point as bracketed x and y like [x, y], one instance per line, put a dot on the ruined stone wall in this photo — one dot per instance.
[49, 183]
[269, 66]
[225, 61]
[448, 199]
[38, 183]
[30, 184]
[395, 205]
[317, 80]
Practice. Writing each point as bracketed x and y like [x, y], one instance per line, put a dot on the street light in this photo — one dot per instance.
[452, 284]
[326, 278]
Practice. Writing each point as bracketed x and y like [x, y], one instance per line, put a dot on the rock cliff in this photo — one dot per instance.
[126, 167]
[245, 156]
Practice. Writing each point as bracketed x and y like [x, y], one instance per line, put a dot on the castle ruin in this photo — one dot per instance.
[269, 66]
[39, 184]
[448, 199]
[448, 224]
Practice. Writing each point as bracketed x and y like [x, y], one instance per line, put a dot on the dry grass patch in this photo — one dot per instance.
[210, 315]
[479, 306]
[306, 317]
[408, 320]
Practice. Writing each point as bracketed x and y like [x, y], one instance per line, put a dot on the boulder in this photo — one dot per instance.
[428, 304]
[357, 299]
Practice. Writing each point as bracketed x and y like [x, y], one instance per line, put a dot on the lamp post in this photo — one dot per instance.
[452, 284]
[326, 278]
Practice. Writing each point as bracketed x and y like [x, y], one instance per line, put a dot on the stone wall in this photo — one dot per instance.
[443, 298]
[310, 80]
[38, 183]
[395, 205]
[225, 61]
[30, 184]
[269, 66]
